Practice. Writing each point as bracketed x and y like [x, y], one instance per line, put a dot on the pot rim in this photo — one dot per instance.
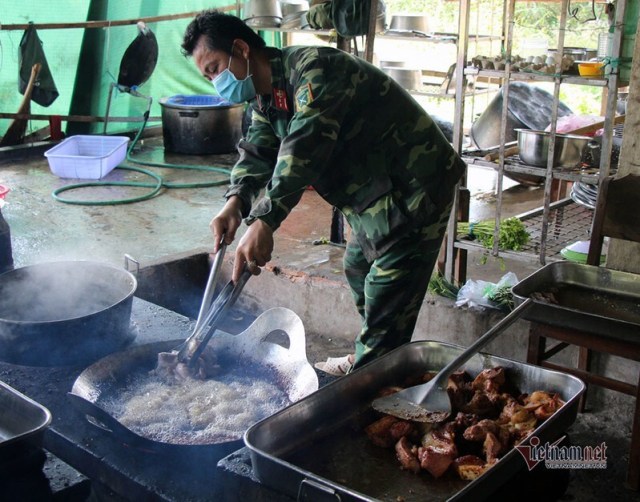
[535, 132]
[164, 102]
[133, 285]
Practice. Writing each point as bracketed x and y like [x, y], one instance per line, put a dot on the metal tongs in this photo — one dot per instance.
[211, 313]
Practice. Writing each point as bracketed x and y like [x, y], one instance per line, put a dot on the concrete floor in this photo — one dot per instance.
[302, 275]
[176, 221]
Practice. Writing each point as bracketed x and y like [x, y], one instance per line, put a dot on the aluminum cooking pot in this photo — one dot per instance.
[594, 149]
[64, 313]
[578, 53]
[262, 13]
[200, 124]
[409, 22]
[23, 422]
[294, 7]
[408, 78]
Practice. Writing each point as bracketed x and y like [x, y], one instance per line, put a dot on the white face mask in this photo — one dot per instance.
[233, 90]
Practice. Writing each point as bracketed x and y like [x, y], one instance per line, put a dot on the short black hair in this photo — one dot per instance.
[220, 30]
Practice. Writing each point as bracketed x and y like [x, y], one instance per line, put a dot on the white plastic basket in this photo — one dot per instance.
[87, 157]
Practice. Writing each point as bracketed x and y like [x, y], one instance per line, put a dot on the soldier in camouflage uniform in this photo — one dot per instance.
[326, 119]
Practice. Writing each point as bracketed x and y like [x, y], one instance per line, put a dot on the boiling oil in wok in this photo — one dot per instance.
[192, 411]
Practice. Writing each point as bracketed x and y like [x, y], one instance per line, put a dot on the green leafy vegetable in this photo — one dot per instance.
[513, 234]
[438, 285]
[502, 297]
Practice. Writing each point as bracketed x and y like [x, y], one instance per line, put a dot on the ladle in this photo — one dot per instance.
[429, 402]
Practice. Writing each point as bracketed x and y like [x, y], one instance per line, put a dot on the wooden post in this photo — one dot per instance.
[626, 255]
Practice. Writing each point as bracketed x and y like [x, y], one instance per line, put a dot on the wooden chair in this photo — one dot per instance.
[616, 216]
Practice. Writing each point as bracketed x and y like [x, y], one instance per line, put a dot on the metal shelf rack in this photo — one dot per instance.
[545, 248]
[524, 76]
[514, 165]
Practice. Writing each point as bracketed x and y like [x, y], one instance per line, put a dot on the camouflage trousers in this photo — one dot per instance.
[389, 292]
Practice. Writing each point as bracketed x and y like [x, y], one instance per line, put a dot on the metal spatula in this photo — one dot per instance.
[429, 402]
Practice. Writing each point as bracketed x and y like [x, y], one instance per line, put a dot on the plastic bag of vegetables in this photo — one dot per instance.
[487, 294]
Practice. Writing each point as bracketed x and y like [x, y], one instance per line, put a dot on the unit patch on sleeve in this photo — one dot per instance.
[304, 97]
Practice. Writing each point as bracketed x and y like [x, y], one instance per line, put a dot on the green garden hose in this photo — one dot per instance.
[155, 187]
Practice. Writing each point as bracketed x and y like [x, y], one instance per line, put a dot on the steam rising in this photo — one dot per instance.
[61, 290]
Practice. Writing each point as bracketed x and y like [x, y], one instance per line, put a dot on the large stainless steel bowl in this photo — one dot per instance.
[534, 148]
[409, 22]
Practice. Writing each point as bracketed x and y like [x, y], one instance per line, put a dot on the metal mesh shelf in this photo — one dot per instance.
[568, 222]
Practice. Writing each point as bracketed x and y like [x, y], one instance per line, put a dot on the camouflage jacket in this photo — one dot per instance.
[339, 124]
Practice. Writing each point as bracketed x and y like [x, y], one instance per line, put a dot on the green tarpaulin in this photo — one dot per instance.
[84, 62]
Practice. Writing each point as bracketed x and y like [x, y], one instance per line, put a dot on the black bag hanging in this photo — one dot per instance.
[31, 52]
[351, 17]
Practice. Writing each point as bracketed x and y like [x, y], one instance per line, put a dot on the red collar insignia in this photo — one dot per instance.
[280, 98]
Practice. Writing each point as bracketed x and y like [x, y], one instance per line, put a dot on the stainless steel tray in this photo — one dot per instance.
[589, 298]
[316, 447]
[22, 422]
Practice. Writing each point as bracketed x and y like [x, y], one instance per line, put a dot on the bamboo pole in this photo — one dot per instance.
[74, 118]
[17, 128]
[106, 24]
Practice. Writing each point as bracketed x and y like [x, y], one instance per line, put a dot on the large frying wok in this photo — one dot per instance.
[292, 373]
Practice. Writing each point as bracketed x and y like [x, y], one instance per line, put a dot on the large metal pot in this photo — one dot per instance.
[409, 22]
[262, 13]
[529, 107]
[291, 7]
[200, 125]
[594, 149]
[408, 78]
[533, 148]
[577, 53]
[64, 313]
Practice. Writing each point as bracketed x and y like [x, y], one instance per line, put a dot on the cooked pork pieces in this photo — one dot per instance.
[489, 418]
[170, 369]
